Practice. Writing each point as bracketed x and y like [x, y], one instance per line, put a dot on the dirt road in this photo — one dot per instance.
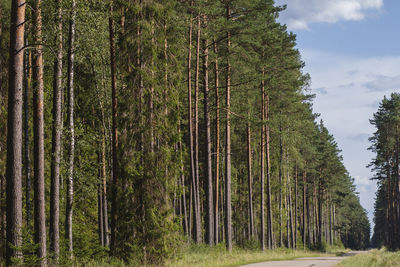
[307, 262]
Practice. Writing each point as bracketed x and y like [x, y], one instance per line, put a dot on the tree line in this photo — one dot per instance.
[385, 145]
[156, 123]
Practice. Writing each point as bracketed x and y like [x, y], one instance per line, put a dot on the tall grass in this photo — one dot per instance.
[204, 256]
[376, 258]
[217, 256]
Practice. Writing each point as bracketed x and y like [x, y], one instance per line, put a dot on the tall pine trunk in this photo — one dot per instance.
[100, 204]
[217, 144]
[192, 152]
[262, 166]
[27, 163]
[56, 141]
[3, 226]
[103, 166]
[114, 202]
[14, 132]
[104, 189]
[320, 215]
[304, 209]
[331, 237]
[151, 94]
[309, 220]
[250, 181]
[269, 201]
[228, 207]
[71, 152]
[290, 202]
[182, 185]
[280, 186]
[295, 206]
[196, 135]
[3, 233]
[208, 158]
[38, 119]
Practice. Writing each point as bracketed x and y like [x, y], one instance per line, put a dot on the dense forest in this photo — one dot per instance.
[386, 146]
[132, 127]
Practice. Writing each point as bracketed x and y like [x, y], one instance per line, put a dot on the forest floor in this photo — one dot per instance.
[325, 261]
[376, 258]
[203, 256]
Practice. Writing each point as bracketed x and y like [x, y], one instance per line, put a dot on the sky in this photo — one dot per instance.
[351, 50]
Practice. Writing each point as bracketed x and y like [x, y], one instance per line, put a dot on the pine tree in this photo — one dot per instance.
[71, 128]
[114, 207]
[38, 118]
[14, 134]
[56, 140]
[228, 207]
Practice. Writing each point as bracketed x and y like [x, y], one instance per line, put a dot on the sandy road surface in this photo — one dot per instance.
[307, 262]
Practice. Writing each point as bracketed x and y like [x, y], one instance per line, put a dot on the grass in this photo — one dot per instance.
[376, 258]
[203, 256]
[217, 256]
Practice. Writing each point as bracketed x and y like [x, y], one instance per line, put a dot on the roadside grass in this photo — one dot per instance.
[204, 256]
[376, 258]
[217, 256]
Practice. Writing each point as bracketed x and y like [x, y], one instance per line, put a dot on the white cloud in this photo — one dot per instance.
[301, 13]
[352, 90]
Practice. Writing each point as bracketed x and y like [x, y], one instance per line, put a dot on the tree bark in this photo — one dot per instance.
[334, 223]
[191, 210]
[196, 135]
[38, 98]
[71, 100]
[262, 166]
[228, 207]
[14, 132]
[190, 122]
[151, 95]
[304, 208]
[217, 144]
[182, 184]
[114, 202]
[250, 181]
[104, 189]
[316, 215]
[295, 206]
[100, 204]
[3, 226]
[140, 65]
[2, 178]
[308, 218]
[54, 231]
[320, 215]
[208, 158]
[269, 202]
[103, 165]
[289, 206]
[280, 186]
[287, 211]
[27, 163]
